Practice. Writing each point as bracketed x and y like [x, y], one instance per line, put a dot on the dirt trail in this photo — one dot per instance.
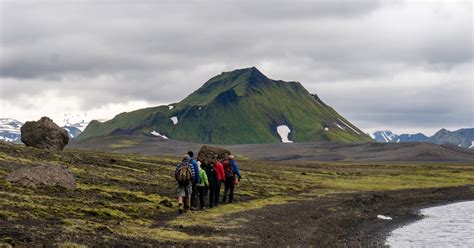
[341, 220]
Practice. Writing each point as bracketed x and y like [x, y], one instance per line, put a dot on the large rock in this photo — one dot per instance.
[44, 134]
[210, 153]
[43, 175]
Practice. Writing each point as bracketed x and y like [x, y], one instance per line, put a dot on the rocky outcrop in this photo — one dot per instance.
[43, 175]
[210, 153]
[44, 134]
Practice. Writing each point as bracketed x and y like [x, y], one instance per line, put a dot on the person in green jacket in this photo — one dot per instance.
[202, 186]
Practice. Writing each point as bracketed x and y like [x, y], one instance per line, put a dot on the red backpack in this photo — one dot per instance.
[228, 171]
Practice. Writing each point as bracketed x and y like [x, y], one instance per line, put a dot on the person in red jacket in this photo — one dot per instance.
[220, 178]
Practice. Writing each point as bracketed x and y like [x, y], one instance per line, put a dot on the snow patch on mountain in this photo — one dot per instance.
[10, 130]
[79, 121]
[174, 119]
[347, 125]
[339, 126]
[385, 136]
[472, 144]
[170, 107]
[284, 131]
[155, 133]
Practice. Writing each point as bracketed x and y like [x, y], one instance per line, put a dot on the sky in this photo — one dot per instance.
[405, 66]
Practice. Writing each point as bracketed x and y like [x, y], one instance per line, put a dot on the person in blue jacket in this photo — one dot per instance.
[231, 170]
[194, 194]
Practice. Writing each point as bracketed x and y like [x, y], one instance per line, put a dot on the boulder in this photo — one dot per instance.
[43, 175]
[44, 134]
[210, 153]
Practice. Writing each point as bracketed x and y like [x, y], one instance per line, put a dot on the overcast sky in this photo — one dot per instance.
[402, 66]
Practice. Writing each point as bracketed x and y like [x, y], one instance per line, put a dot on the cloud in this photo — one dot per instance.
[381, 64]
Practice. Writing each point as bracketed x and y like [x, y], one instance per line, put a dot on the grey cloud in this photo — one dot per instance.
[110, 51]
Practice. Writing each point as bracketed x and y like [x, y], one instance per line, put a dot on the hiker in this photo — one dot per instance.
[213, 180]
[220, 178]
[184, 175]
[194, 195]
[231, 169]
[202, 186]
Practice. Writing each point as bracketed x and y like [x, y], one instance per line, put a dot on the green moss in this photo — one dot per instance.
[143, 229]
[124, 144]
[105, 212]
[67, 222]
[71, 245]
[5, 215]
[212, 215]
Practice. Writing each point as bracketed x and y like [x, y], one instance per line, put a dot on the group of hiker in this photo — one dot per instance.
[199, 179]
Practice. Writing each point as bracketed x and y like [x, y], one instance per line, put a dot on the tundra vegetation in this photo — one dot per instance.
[128, 199]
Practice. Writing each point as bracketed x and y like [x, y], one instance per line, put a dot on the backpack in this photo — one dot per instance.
[228, 171]
[211, 174]
[183, 175]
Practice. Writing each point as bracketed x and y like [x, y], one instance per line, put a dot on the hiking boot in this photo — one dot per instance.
[180, 211]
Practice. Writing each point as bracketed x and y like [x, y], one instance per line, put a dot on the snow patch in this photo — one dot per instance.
[347, 125]
[174, 119]
[326, 128]
[200, 108]
[383, 217]
[158, 134]
[339, 126]
[472, 144]
[283, 131]
[398, 140]
[6, 139]
[171, 107]
[388, 137]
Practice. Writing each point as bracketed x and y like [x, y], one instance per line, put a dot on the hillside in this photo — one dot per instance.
[237, 107]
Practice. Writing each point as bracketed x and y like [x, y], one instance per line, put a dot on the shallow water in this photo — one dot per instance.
[443, 226]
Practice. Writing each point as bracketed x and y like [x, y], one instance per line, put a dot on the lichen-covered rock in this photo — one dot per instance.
[210, 153]
[44, 134]
[43, 175]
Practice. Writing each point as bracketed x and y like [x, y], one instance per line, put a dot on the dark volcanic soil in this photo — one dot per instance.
[340, 220]
[322, 151]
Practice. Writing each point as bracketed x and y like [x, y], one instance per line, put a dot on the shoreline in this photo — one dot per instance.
[340, 220]
[417, 216]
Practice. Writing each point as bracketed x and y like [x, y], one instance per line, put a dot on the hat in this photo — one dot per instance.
[187, 157]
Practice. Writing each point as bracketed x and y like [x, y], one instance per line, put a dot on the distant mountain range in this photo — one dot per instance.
[237, 107]
[462, 137]
[10, 129]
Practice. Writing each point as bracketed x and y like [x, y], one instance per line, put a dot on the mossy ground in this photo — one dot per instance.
[124, 199]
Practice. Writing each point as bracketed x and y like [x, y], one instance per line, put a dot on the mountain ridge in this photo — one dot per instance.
[463, 137]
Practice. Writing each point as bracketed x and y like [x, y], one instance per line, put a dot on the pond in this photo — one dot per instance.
[449, 225]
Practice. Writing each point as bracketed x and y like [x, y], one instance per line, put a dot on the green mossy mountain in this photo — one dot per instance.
[238, 107]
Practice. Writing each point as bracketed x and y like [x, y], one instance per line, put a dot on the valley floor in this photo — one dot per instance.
[129, 200]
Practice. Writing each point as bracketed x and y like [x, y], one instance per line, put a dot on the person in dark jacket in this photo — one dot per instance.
[213, 181]
[232, 176]
[194, 195]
